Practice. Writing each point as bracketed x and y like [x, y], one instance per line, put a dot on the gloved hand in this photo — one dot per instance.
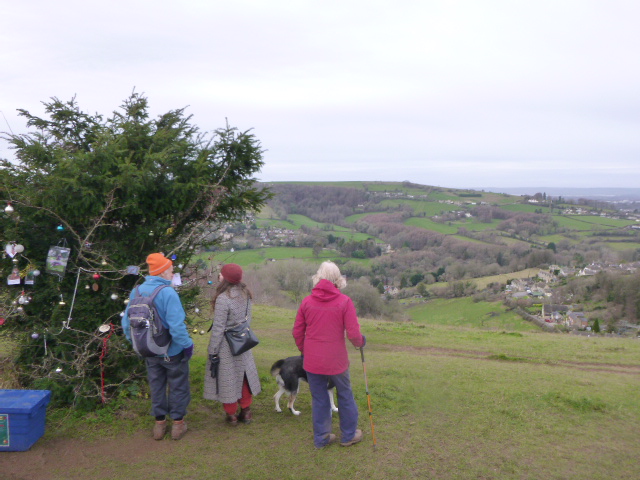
[215, 361]
[188, 352]
[364, 341]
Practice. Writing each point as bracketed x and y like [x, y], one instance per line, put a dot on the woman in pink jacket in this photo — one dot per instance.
[319, 332]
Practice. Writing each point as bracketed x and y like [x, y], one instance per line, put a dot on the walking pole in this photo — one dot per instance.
[366, 386]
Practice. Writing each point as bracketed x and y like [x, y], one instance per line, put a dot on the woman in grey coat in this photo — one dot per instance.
[237, 377]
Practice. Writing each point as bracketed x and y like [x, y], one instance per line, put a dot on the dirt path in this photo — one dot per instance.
[52, 458]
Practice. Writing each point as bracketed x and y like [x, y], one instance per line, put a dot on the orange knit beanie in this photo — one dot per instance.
[158, 263]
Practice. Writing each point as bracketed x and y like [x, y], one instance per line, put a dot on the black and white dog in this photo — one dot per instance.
[288, 373]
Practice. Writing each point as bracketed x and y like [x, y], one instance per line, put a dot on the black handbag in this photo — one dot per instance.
[240, 337]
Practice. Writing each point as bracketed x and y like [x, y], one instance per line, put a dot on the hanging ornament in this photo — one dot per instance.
[10, 249]
[1, 321]
[151, 233]
[197, 310]
[180, 266]
[95, 287]
[22, 299]
[126, 301]
[174, 256]
[96, 276]
[104, 262]
[20, 309]
[57, 259]
[210, 282]
[36, 273]
[61, 302]
[19, 248]
[122, 314]
[87, 286]
[58, 370]
[35, 335]
[114, 296]
[104, 328]
[60, 228]
[201, 332]
[14, 277]
[8, 209]
[195, 330]
[133, 270]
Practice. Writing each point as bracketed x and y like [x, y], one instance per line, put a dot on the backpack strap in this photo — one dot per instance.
[153, 294]
[156, 292]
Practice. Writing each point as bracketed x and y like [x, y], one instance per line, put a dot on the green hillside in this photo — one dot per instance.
[447, 402]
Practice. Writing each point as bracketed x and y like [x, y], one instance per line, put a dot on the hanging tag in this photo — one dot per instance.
[10, 249]
[133, 270]
[14, 277]
[57, 259]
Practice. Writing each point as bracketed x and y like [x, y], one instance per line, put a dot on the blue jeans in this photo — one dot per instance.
[173, 374]
[321, 407]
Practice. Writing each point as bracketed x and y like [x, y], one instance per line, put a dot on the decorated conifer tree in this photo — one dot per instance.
[86, 199]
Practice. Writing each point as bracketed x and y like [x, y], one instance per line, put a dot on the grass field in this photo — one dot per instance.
[482, 282]
[261, 255]
[521, 207]
[464, 312]
[589, 222]
[448, 403]
[359, 216]
[421, 206]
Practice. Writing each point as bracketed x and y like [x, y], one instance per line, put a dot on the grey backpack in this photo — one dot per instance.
[149, 336]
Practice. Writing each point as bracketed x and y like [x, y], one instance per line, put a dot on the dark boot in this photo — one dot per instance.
[245, 415]
[232, 420]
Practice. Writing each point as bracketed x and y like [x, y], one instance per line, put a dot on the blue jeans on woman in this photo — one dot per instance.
[321, 407]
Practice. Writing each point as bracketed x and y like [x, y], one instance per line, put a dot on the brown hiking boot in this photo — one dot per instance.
[232, 420]
[178, 429]
[159, 429]
[245, 415]
[331, 438]
[356, 438]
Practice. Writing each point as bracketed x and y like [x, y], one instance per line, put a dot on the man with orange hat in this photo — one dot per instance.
[168, 375]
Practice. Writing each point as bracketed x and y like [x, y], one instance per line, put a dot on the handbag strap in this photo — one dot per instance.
[246, 317]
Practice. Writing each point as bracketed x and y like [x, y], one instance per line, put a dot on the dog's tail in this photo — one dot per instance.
[275, 368]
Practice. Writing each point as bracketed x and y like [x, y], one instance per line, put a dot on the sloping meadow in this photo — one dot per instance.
[448, 402]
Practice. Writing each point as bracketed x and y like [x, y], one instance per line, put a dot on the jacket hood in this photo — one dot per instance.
[155, 280]
[325, 291]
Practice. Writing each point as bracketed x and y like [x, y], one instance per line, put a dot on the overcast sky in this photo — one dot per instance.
[469, 93]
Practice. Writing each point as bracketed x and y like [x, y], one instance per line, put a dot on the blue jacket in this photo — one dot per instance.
[171, 313]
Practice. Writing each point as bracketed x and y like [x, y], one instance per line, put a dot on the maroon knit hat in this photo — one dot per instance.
[232, 273]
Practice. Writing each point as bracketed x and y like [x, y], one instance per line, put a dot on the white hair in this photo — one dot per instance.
[329, 271]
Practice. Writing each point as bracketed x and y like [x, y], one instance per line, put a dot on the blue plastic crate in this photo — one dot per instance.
[22, 418]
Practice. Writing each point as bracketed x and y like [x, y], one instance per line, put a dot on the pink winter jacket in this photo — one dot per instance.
[319, 329]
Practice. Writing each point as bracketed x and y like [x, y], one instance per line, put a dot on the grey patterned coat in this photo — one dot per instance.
[231, 307]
